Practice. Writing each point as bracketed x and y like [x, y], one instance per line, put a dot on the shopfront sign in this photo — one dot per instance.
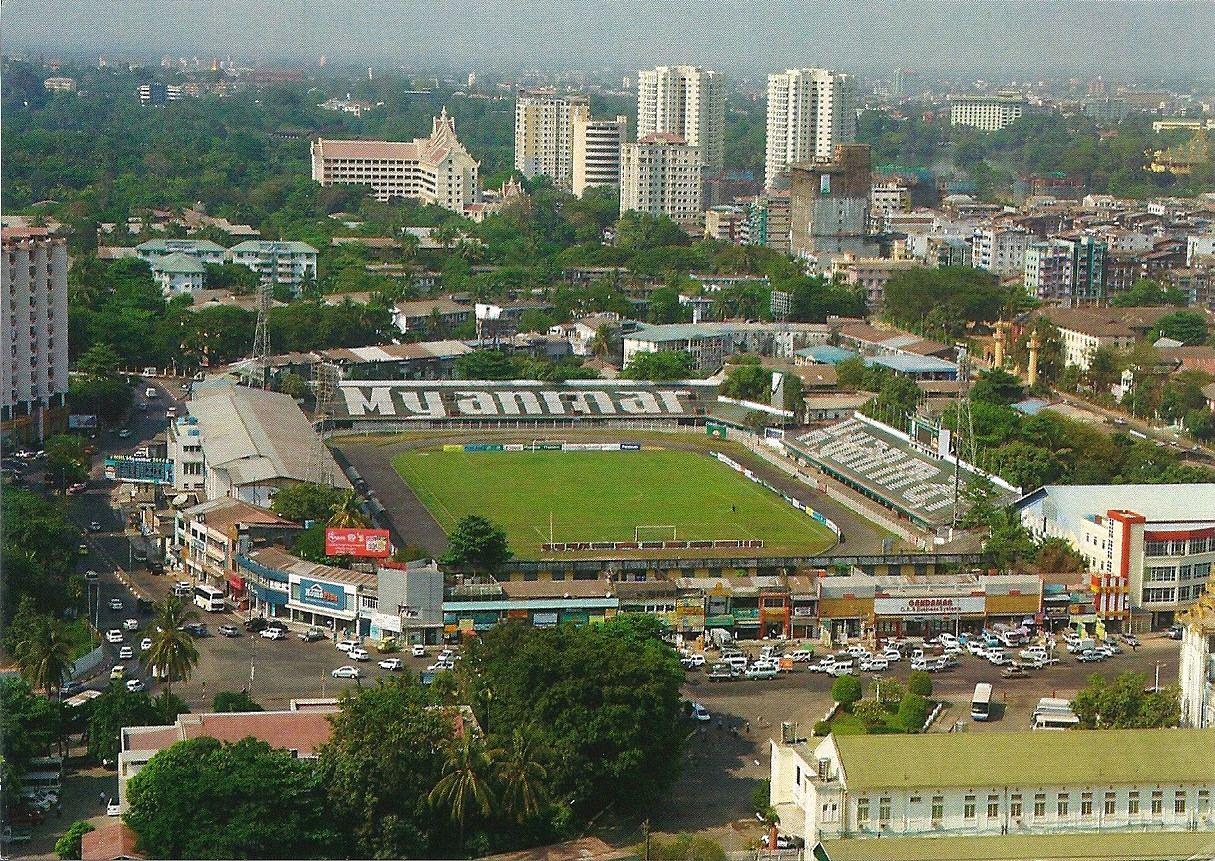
[931, 606]
[322, 594]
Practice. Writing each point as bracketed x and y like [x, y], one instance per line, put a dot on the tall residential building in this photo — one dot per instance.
[34, 373]
[544, 134]
[435, 170]
[810, 112]
[1001, 250]
[986, 113]
[597, 152]
[687, 101]
[660, 175]
[1048, 271]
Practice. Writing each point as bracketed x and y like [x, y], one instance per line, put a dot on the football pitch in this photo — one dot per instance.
[604, 496]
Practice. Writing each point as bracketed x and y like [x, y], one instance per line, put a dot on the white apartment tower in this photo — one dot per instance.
[687, 101]
[986, 113]
[34, 372]
[544, 134]
[660, 175]
[810, 111]
[597, 152]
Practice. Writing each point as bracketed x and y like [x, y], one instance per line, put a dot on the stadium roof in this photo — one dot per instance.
[256, 436]
[1158, 503]
[1090, 757]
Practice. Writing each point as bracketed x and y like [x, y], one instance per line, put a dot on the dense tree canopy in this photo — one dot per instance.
[1122, 703]
[39, 552]
[477, 543]
[657, 367]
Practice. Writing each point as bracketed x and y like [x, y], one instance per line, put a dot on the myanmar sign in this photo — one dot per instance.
[457, 399]
[357, 542]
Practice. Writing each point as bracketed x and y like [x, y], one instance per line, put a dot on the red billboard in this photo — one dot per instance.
[357, 542]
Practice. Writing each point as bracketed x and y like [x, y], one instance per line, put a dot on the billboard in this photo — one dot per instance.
[357, 542]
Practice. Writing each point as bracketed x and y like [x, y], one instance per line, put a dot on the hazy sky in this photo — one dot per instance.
[1121, 39]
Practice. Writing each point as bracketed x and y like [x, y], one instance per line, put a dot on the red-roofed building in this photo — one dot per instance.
[110, 842]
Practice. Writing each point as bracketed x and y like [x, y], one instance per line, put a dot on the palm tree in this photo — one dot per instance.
[521, 778]
[601, 343]
[173, 654]
[465, 782]
[44, 655]
[346, 513]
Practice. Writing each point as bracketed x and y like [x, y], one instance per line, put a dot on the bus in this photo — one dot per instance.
[980, 703]
[209, 598]
[1055, 719]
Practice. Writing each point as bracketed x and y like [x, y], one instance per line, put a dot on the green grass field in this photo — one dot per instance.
[602, 496]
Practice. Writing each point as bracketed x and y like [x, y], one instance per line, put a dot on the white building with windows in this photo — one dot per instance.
[34, 331]
[597, 152]
[290, 263]
[202, 250]
[1001, 250]
[1149, 547]
[994, 783]
[179, 274]
[661, 175]
[436, 170]
[1197, 668]
[709, 343]
[986, 113]
[687, 101]
[810, 112]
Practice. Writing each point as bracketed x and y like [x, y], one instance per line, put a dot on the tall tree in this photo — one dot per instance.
[173, 654]
[346, 512]
[478, 543]
[44, 654]
[464, 788]
[521, 778]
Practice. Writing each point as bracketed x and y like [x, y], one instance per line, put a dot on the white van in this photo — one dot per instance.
[149, 392]
[737, 662]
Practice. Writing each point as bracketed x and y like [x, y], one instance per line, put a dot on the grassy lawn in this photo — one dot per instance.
[602, 496]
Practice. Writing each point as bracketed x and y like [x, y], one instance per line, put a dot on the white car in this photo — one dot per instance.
[390, 664]
[357, 654]
[692, 661]
[418, 650]
[135, 685]
[700, 713]
[347, 645]
[145, 644]
[447, 655]
[346, 672]
[999, 659]
[130, 625]
[274, 634]
[113, 808]
[874, 665]
[126, 652]
[440, 666]
[113, 636]
[892, 655]
[115, 603]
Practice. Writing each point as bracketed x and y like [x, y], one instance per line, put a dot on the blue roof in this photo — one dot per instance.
[1030, 406]
[908, 364]
[825, 354]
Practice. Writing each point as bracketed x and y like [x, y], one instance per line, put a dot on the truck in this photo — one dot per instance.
[1082, 645]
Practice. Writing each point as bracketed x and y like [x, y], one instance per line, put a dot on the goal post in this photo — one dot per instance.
[659, 531]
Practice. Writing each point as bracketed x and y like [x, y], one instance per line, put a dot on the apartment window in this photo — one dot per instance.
[1204, 802]
[1061, 805]
[1039, 805]
[862, 812]
[1162, 574]
[1178, 547]
[1014, 806]
[1132, 803]
[1110, 804]
[993, 807]
[1086, 804]
[938, 808]
[1157, 803]
[883, 810]
[969, 807]
[1155, 548]
[1179, 802]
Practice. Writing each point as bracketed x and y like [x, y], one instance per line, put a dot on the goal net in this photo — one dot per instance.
[665, 532]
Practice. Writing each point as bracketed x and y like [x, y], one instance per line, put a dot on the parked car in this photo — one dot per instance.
[693, 660]
[359, 654]
[418, 650]
[70, 687]
[720, 673]
[255, 625]
[130, 625]
[999, 659]
[90, 576]
[876, 664]
[229, 630]
[195, 629]
[113, 636]
[115, 603]
[700, 713]
[1131, 640]
[891, 655]
[1090, 656]
[313, 634]
[274, 634]
[123, 433]
[118, 672]
[760, 671]
[441, 666]
[113, 807]
[841, 668]
[783, 841]
[126, 652]
[145, 644]
[346, 672]
[1014, 672]
[346, 645]
[390, 664]
[135, 685]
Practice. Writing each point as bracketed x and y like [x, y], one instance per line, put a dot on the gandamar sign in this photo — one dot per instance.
[521, 399]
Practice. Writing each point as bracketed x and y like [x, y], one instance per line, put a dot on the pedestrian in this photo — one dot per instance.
[748, 727]
[732, 508]
[719, 724]
[101, 797]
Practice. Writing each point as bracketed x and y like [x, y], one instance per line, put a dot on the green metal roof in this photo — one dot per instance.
[1076, 757]
[180, 263]
[679, 332]
[265, 246]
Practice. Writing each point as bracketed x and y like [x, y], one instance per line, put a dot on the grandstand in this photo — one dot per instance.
[888, 467]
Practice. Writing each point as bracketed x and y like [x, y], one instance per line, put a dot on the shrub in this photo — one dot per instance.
[761, 795]
[871, 712]
[822, 728]
[913, 711]
[846, 690]
[920, 683]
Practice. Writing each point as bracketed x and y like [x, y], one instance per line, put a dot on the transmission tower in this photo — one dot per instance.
[963, 430]
[325, 377]
[259, 373]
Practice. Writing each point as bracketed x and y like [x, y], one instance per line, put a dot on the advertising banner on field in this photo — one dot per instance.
[371, 543]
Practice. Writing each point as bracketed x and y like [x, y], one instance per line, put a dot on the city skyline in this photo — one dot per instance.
[1081, 36]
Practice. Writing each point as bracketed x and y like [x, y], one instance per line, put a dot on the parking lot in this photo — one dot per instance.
[722, 765]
